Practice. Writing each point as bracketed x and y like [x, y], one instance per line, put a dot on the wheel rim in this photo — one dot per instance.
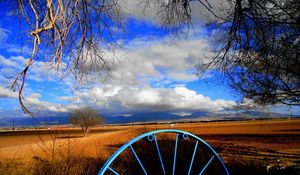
[151, 137]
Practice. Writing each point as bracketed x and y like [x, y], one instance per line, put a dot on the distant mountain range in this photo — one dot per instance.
[62, 119]
[249, 115]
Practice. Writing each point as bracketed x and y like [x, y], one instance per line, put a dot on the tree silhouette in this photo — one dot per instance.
[256, 46]
[259, 53]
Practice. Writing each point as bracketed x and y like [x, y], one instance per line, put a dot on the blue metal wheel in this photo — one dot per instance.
[151, 138]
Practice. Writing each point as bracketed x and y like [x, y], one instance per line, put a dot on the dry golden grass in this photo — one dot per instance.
[267, 140]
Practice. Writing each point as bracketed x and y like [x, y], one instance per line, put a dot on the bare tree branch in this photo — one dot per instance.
[74, 33]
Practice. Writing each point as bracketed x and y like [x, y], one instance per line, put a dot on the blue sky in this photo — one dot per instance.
[152, 72]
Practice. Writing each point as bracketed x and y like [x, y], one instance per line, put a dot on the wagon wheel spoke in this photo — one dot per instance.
[175, 151]
[204, 168]
[151, 137]
[159, 155]
[137, 158]
[191, 164]
[112, 170]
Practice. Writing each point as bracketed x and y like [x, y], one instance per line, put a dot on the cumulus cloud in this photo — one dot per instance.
[142, 78]
[134, 99]
[182, 114]
[7, 93]
[135, 8]
[40, 71]
[33, 100]
[140, 62]
[7, 62]
[159, 61]
[199, 12]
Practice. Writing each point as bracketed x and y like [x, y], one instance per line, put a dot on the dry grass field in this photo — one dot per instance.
[241, 144]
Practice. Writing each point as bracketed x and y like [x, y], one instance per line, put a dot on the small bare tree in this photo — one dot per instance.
[86, 117]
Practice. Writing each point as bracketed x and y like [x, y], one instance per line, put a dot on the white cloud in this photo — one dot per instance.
[24, 50]
[12, 48]
[123, 115]
[135, 8]
[33, 101]
[7, 62]
[182, 114]
[139, 77]
[199, 12]
[7, 93]
[3, 34]
[159, 60]
[40, 71]
[141, 62]
[132, 99]
[247, 103]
